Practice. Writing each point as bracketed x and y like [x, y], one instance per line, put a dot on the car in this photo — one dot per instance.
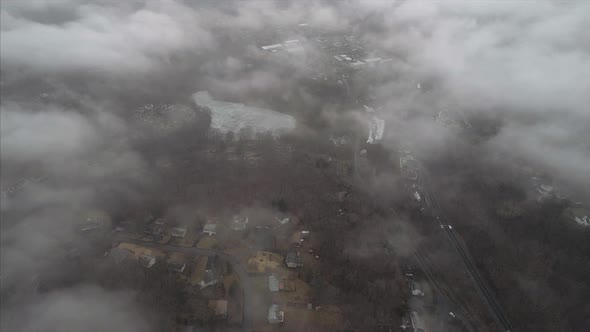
[450, 227]
[442, 226]
[452, 314]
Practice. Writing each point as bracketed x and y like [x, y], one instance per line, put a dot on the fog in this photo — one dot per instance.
[73, 71]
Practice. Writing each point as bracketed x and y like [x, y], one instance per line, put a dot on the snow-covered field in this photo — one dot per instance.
[376, 130]
[163, 119]
[227, 116]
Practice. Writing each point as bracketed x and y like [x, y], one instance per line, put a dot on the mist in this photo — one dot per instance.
[74, 74]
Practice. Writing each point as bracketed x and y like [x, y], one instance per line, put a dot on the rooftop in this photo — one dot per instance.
[146, 260]
[273, 283]
[271, 47]
[179, 231]
[274, 315]
[210, 228]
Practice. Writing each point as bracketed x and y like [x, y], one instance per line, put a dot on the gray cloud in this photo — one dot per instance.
[102, 37]
[528, 64]
[85, 308]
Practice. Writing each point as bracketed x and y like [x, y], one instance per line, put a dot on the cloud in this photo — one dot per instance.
[84, 308]
[101, 37]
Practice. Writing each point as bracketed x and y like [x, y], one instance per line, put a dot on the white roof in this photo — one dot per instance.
[210, 228]
[376, 130]
[337, 58]
[270, 47]
[291, 41]
[371, 60]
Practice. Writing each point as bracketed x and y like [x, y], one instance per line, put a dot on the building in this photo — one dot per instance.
[146, 260]
[275, 316]
[212, 273]
[293, 259]
[160, 221]
[272, 47]
[273, 283]
[95, 221]
[210, 229]
[376, 130]
[373, 60]
[544, 189]
[176, 266]
[282, 220]
[238, 223]
[578, 214]
[219, 307]
[153, 229]
[179, 232]
[415, 288]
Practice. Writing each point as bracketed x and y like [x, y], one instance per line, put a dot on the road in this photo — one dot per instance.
[244, 277]
[448, 302]
[484, 290]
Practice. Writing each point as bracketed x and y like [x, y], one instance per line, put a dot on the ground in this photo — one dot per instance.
[266, 262]
[198, 271]
[139, 250]
[207, 242]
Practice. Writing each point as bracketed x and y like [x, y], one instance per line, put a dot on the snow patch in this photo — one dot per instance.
[228, 116]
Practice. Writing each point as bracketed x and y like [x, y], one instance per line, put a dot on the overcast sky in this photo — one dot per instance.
[526, 62]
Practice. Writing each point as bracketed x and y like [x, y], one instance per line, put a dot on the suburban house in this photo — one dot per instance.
[276, 284]
[239, 223]
[275, 316]
[273, 283]
[210, 229]
[219, 307]
[160, 221]
[153, 229]
[212, 273]
[176, 266]
[179, 232]
[146, 260]
[294, 259]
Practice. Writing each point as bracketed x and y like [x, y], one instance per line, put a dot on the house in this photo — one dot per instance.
[273, 283]
[276, 284]
[210, 229]
[160, 221]
[544, 189]
[293, 259]
[578, 214]
[176, 266]
[219, 307]
[212, 273]
[153, 229]
[239, 223]
[95, 220]
[415, 288]
[282, 220]
[179, 232]
[275, 316]
[271, 47]
[146, 260]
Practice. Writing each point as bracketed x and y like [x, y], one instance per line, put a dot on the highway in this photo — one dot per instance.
[484, 290]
